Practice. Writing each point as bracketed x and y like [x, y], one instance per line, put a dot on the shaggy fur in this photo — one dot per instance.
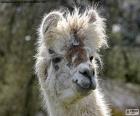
[66, 44]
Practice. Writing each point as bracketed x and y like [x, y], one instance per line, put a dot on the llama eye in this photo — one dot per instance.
[91, 58]
[56, 59]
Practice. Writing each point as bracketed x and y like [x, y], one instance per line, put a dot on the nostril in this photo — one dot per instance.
[75, 80]
[85, 73]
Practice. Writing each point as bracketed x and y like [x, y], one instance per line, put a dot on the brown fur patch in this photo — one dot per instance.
[79, 52]
[76, 49]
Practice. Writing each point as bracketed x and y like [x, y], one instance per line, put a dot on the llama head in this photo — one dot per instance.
[67, 49]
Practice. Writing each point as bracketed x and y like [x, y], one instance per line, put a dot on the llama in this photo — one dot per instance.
[68, 45]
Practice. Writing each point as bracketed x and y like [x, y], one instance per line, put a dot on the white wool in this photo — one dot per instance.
[53, 91]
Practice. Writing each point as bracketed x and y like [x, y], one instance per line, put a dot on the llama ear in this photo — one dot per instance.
[50, 21]
[92, 16]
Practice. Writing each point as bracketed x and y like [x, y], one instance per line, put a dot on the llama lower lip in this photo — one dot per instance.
[83, 91]
[83, 86]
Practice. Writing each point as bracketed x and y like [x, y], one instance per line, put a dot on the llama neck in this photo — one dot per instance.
[88, 106]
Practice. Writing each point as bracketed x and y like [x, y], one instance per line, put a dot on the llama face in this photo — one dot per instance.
[72, 71]
[65, 64]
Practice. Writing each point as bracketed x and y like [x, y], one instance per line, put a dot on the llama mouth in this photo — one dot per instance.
[84, 84]
[83, 87]
[87, 87]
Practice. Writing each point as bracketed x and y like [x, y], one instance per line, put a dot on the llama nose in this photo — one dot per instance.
[88, 76]
[86, 71]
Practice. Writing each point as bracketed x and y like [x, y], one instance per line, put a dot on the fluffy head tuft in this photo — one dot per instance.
[88, 25]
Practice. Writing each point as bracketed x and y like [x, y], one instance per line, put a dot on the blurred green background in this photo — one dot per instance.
[120, 78]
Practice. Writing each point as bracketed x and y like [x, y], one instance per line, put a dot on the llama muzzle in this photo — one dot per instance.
[85, 77]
